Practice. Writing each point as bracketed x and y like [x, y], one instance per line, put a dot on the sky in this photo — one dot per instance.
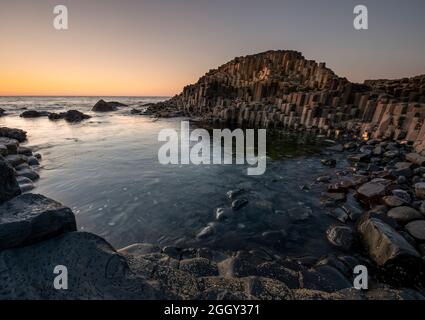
[156, 47]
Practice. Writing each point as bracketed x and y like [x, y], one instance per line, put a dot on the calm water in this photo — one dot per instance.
[106, 169]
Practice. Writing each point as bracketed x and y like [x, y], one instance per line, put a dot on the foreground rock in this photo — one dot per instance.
[390, 250]
[9, 187]
[96, 271]
[30, 218]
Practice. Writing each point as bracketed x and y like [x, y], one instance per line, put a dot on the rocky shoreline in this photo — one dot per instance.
[377, 202]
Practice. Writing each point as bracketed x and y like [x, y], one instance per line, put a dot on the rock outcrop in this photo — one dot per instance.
[103, 106]
[283, 89]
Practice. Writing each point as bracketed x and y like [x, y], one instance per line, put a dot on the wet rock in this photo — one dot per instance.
[69, 116]
[324, 278]
[28, 173]
[267, 289]
[199, 267]
[172, 251]
[402, 180]
[417, 230]
[9, 187]
[34, 114]
[361, 157]
[404, 214]
[420, 190]
[206, 232]
[30, 218]
[350, 146]
[391, 154]
[98, 271]
[222, 214]
[341, 237]
[2, 112]
[11, 133]
[403, 195]
[243, 264]
[276, 271]
[10, 144]
[239, 203]
[25, 184]
[33, 161]
[232, 194]
[140, 249]
[16, 160]
[3, 151]
[328, 162]
[332, 197]
[339, 214]
[103, 106]
[390, 250]
[25, 151]
[372, 190]
[416, 159]
[323, 179]
[393, 201]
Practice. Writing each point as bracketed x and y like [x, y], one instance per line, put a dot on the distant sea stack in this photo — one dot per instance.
[283, 89]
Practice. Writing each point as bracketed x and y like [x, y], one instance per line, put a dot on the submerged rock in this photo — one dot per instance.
[30, 218]
[341, 237]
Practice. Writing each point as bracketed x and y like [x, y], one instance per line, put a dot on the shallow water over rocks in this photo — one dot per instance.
[106, 169]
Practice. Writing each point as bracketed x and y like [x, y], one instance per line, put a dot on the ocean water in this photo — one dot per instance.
[107, 170]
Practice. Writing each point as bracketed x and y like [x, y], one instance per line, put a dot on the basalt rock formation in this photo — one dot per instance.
[283, 89]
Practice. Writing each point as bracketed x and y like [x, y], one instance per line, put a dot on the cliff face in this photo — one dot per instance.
[283, 89]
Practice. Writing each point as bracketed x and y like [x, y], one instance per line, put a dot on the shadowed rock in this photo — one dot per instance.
[30, 218]
[17, 134]
[9, 187]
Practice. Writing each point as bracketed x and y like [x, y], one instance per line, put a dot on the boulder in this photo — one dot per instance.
[10, 144]
[34, 114]
[371, 190]
[324, 278]
[9, 187]
[420, 190]
[341, 237]
[28, 173]
[30, 218]
[103, 106]
[417, 230]
[393, 201]
[17, 134]
[95, 271]
[404, 214]
[16, 160]
[3, 150]
[390, 250]
[2, 112]
[70, 116]
[415, 158]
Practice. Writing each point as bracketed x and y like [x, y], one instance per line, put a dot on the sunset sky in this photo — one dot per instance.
[155, 47]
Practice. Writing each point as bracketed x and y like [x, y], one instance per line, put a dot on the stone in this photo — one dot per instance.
[339, 214]
[416, 159]
[404, 214]
[25, 151]
[69, 116]
[222, 214]
[34, 114]
[3, 151]
[103, 106]
[239, 203]
[28, 173]
[199, 267]
[420, 190]
[2, 112]
[372, 190]
[232, 194]
[403, 195]
[417, 230]
[33, 161]
[206, 232]
[361, 157]
[15, 159]
[324, 278]
[393, 201]
[9, 187]
[328, 162]
[11, 133]
[10, 144]
[274, 270]
[267, 289]
[95, 271]
[30, 218]
[341, 237]
[389, 250]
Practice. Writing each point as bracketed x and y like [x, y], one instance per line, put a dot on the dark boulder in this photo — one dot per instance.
[70, 116]
[34, 114]
[103, 106]
[30, 218]
[11, 133]
[9, 187]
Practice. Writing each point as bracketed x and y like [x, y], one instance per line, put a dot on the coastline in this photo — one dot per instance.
[146, 271]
